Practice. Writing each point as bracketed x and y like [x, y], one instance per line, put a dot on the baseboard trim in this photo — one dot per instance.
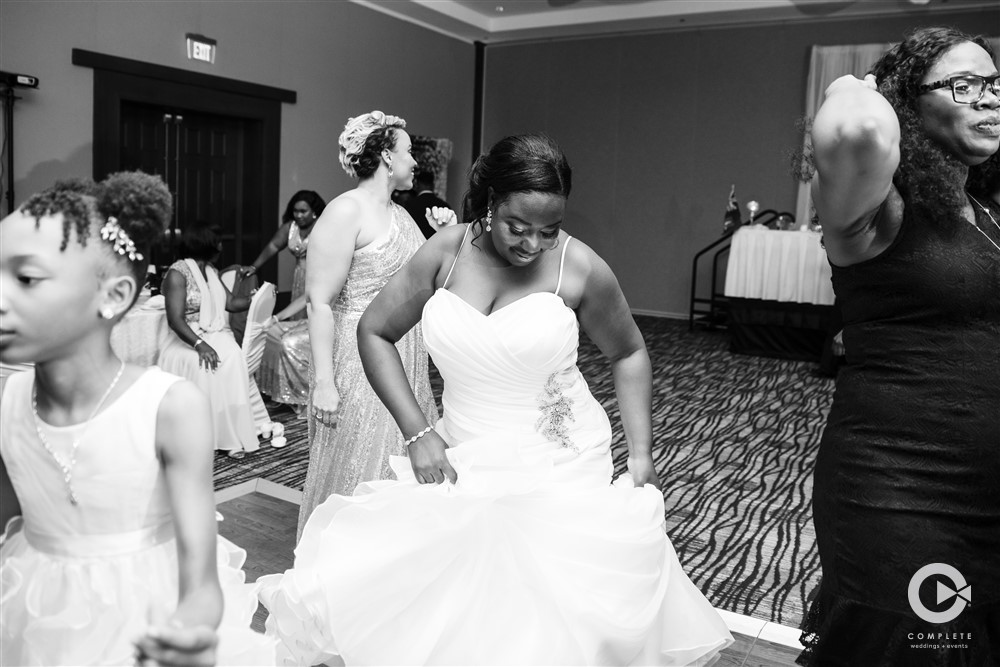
[782, 634]
[279, 491]
[660, 313]
[235, 491]
[749, 626]
[259, 485]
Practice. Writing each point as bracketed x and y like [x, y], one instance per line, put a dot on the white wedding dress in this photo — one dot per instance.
[532, 558]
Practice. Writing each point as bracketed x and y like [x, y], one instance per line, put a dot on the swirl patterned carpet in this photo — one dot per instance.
[736, 439]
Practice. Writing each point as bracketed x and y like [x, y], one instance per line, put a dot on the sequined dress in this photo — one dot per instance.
[357, 449]
[80, 581]
[284, 369]
[533, 557]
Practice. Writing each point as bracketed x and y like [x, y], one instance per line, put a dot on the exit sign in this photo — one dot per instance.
[201, 48]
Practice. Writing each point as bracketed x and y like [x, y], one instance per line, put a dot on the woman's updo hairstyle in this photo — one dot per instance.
[923, 176]
[520, 163]
[363, 140]
[140, 204]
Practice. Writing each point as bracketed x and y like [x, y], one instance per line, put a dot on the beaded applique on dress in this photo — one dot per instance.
[556, 411]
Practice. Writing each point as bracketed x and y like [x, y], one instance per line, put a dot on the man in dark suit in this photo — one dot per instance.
[419, 199]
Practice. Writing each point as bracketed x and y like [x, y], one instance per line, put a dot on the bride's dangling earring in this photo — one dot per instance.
[389, 164]
[489, 219]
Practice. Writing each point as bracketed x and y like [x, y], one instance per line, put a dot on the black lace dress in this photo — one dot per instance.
[908, 471]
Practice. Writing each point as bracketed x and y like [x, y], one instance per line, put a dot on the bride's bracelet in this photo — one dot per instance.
[417, 436]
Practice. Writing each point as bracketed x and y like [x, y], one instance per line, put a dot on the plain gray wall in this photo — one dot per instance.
[658, 126]
[341, 58]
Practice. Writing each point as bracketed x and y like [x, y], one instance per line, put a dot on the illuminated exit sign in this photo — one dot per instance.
[201, 48]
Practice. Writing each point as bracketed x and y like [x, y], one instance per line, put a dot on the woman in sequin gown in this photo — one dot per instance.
[907, 470]
[284, 369]
[361, 240]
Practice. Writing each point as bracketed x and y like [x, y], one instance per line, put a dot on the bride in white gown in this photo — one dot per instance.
[503, 541]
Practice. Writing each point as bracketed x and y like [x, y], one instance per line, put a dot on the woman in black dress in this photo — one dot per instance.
[907, 481]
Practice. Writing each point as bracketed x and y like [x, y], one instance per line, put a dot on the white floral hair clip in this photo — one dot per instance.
[123, 245]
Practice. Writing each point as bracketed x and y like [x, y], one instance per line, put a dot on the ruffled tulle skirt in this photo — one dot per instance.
[509, 566]
[66, 610]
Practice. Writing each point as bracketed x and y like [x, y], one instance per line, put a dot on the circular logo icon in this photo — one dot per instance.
[960, 590]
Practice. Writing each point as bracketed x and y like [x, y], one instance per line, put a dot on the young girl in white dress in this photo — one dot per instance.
[114, 558]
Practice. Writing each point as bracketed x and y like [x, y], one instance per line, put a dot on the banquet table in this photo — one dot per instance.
[780, 293]
[140, 335]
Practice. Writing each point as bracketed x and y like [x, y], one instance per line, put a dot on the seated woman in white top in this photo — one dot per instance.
[202, 347]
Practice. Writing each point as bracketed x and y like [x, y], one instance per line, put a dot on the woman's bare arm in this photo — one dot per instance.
[855, 140]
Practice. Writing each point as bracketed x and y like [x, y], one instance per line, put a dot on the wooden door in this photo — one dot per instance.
[221, 112]
[205, 159]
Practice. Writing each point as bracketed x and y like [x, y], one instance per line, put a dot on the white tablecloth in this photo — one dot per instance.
[136, 339]
[140, 335]
[778, 266]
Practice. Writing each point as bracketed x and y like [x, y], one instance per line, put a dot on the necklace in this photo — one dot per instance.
[67, 466]
[992, 219]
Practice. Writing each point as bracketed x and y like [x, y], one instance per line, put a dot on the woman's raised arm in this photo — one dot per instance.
[855, 139]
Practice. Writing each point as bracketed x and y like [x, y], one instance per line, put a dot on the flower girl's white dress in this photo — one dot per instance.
[80, 582]
[533, 558]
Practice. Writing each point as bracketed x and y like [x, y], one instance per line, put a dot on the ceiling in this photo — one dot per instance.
[496, 21]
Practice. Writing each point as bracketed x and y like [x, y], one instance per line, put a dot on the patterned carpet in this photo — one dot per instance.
[736, 438]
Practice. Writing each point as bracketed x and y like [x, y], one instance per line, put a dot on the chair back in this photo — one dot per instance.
[228, 276]
[261, 309]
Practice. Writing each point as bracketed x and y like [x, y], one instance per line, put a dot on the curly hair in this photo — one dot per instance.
[140, 202]
[310, 197]
[984, 178]
[74, 199]
[363, 140]
[930, 179]
[520, 163]
[370, 157]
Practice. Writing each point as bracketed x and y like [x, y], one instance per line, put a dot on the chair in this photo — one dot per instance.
[261, 308]
[228, 276]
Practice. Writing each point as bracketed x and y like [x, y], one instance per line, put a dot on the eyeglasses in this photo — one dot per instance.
[965, 89]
